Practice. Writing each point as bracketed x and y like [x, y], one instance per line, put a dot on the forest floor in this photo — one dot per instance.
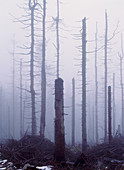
[32, 152]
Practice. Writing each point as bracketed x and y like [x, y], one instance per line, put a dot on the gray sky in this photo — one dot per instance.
[71, 11]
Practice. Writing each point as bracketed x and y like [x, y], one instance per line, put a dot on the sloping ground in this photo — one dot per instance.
[107, 156]
[33, 150]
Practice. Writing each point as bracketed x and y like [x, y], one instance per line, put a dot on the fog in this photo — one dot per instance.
[71, 14]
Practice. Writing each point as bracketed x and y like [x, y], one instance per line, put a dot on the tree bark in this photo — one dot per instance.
[113, 104]
[13, 106]
[32, 70]
[59, 122]
[121, 82]
[109, 114]
[96, 87]
[57, 40]
[84, 135]
[21, 114]
[73, 112]
[43, 77]
[106, 68]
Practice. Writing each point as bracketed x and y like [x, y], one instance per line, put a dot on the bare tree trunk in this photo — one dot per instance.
[73, 112]
[32, 8]
[121, 82]
[113, 104]
[13, 88]
[8, 122]
[84, 135]
[93, 123]
[106, 68]
[57, 40]
[43, 78]
[96, 85]
[59, 121]
[1, 111]
[21, 114]
[109, 114]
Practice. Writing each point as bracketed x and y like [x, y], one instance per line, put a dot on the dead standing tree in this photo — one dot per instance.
[121, 83]
[109, 114]
[21, 113]
[113, 104]
[73, 112]
[59, 122]
[43, 77]
[106, 69]
[32, 7]
[107, 40]
[59, 105]
[84, 134]
[96, 86]
[57, 36]
[13, 87]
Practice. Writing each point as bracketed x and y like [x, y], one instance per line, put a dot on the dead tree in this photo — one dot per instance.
[59, 122]
[8, 122]
[43, 77]
[109, 114]
[121, 83]
[106, 68]
[21, 113]
[113, 103]
[13, 87]
[96, 86]
[84, 134]
[73, 112]
[1, 111]
[32, 7]
[57, 40]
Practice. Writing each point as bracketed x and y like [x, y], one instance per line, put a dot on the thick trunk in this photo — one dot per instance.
[59, 122]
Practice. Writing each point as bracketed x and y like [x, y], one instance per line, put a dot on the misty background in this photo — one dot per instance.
[71, 14]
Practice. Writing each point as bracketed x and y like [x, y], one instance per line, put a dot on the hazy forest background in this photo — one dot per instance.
[15, 42]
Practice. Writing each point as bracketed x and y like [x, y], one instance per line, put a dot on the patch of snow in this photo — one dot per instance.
[45, 167]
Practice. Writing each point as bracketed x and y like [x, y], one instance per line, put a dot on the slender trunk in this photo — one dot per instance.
[43, 77]
[8, 122]
[1, 111]
[13, 88]
[121, 82]
[23, 118]
[109, 114]
[106, 42]
[59, 122]
[84, 135]
[73, 112]
[113, 104]
[93, 123]
[32, 74]
[21, 114]
[57, 40]
[96, 86]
